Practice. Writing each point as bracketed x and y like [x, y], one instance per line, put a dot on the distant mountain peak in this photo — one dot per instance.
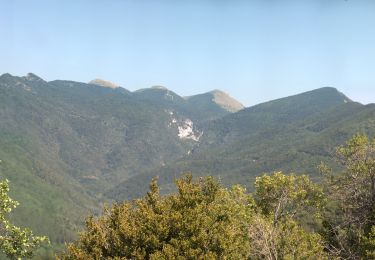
[103, 83]
[219, 98]
[324, 89]
[332, 91]
[6, 75]
[159, 87]
[32, 77]
[218, 91]
[224, 100]
[157, 93]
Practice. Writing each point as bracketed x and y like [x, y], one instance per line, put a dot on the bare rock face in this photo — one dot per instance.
[225, 101]
[215, 100]
[104, 83]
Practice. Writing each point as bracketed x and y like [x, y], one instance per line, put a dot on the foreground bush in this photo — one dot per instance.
[203, 220]
[349, 222]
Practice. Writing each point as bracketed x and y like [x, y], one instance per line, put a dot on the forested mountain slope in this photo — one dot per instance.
[63, 144]
[291, 134]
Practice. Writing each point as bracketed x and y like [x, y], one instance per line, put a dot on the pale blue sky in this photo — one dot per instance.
[254, 50]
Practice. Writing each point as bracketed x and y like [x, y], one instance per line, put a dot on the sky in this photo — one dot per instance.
[255, 50]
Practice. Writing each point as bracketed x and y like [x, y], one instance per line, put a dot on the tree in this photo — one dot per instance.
[349, 222]
[201, 221]
[276, 232]
[15, 242]
[285, 196]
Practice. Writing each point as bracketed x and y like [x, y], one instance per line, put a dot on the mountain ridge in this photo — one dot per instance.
[236, 146]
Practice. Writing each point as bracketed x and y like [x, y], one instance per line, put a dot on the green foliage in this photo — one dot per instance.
[349, 223]
[369, 243]
[276, 232]
[286, 240]
[15, 242]
[282, 196]
[202, 220]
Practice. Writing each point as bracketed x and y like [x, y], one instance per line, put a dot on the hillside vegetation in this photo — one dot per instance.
[68, 147]
[287, 217]
[63, 144]
[283, 135]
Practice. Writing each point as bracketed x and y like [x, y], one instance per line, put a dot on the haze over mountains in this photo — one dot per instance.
[69, 146]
